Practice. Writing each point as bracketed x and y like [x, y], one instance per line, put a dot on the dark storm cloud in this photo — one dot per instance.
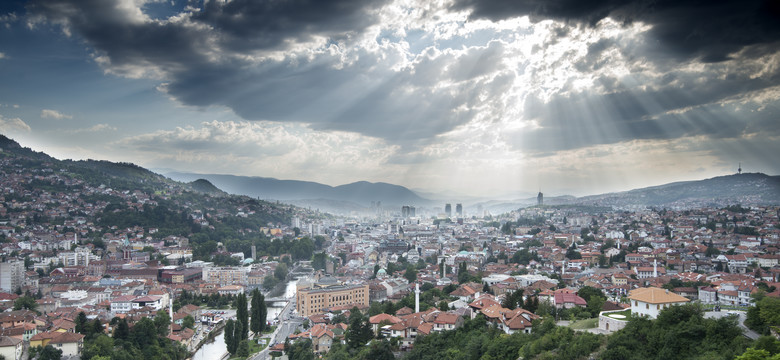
[121, 36]
[709, 30]
[252, 24]
[178, 44]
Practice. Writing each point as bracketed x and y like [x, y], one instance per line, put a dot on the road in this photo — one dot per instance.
[288, 324]
[741, 321]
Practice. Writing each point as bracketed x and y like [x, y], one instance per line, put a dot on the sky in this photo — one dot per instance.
[465, 97]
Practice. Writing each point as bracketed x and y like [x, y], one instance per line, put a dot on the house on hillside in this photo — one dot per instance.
[651, 300]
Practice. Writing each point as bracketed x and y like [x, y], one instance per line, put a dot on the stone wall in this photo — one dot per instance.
[609, 324]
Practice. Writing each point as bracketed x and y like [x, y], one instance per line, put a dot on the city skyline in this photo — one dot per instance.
[473, 98]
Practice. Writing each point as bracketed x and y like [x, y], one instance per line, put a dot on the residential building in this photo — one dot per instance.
[11, 348]
[11, 275]
[651, 300]
[229, 275]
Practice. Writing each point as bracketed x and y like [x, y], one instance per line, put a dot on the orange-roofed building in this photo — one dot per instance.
[651, 300]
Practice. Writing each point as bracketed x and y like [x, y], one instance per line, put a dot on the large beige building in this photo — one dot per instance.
[323, 295]
[233, 275]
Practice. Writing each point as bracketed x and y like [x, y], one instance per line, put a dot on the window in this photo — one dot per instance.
[647, 306]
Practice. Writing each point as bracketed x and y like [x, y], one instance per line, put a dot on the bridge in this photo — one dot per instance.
[277, 299]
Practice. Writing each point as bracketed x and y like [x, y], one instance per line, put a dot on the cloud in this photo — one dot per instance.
[96, 128]
[12, 125]
[2, 55]
[578, 74]
[264, 148]
[54, 114]
[712, 31]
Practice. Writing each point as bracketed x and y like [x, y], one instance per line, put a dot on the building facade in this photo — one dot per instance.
[651, 300]
[231, 275]
[316, 299]
[11, 275]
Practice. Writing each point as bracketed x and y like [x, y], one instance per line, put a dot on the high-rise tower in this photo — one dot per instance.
[540, 199]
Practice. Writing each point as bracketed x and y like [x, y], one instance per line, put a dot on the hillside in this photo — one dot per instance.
[749, 188]
[205, 186]
[359, 194]
[122, 200]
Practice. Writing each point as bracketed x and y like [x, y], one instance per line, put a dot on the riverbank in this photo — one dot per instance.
[211, 337]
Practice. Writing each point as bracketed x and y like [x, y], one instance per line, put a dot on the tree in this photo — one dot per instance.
[242, 316]
[230, 336]
[26, 302]
[243, 348]
[572, 253]
[300, 350]
[144, 333]
[81, 323]
[162, 323]
[50, 353]
[319, 260]
[486, 289]
[378, 350]
[97, 328]
[269, 281]
[531, 304]
[188, 322]
[280, 273]
[514, 299]
[258, 317]
[359, 331]
[587, 292]
[238, 330]
[711, 251]
[463, 273]
[103, 345]
[411, 273]
[757, 354]
[121, 329]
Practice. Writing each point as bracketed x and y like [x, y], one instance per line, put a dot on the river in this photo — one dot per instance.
[217, 348]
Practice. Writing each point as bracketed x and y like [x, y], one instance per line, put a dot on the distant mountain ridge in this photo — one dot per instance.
[362, 193]
[746, 188]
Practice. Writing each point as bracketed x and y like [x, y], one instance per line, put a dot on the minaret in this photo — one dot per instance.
[170, 311]
[655, 268]
[416, 297]
[563, 269]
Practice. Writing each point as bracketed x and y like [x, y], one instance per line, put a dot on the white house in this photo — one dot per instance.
[650, 301]
[153, 301]
[71, 344]
[708, 295]
[11, 348]
[122, 304]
